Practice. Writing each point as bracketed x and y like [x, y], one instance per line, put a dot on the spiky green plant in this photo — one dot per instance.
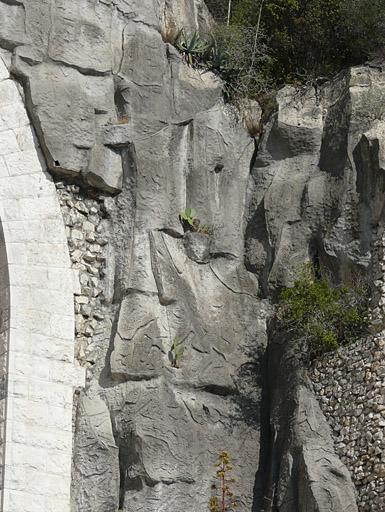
[176, 352]
[216, 58]
[192, 47]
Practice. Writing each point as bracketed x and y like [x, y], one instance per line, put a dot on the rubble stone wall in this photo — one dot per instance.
[350, 386]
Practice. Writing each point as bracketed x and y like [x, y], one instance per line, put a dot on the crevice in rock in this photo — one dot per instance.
[214, 389]
[13, 2]
[223, 255]
[171, 233]
[120, 103]
[226, 285]
[123, 213]
[9, 45]
[259, 252]
[295, 438]
[82, 70]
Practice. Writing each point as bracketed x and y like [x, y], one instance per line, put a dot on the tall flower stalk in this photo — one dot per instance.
[223, 499]
[229, 12]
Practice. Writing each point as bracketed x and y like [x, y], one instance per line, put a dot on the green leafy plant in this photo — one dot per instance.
[240, 61]
[321, 317]
[223, 498]
[192, 47]
[188, 215]
[192, 223]
[299, 41]
[176, 352]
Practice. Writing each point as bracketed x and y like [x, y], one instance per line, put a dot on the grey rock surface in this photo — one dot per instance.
[197, 246]
[318, 180]
[79, 61]
[97, 458]
[116, 109]
[119, 113]
[299, 468]
[317, 195]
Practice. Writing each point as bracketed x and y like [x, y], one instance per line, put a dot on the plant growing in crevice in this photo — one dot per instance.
[223, 498]
[187, 216]
[322, 317]
[176, 352]
[122, 120]
[191, 223]
[192, 47]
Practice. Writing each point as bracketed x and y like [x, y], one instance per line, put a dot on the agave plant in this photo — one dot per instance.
[216, 57]
[192, 48]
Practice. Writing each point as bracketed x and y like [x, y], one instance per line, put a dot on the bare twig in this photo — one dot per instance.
[229, 13]
[256, 36]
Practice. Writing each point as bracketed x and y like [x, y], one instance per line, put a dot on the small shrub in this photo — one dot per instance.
[239, 61]
[176, 352]
[223, 499]
[322, 317]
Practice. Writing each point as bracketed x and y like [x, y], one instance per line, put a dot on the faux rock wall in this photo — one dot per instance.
[318, 196]
[350, 387]
[133, 136]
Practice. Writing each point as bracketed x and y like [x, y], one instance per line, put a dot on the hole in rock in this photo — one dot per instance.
[218, 168]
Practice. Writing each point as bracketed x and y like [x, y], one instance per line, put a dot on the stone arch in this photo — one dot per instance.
[4, 334]
[37, 327]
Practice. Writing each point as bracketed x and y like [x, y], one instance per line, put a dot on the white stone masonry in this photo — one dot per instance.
[36, 322]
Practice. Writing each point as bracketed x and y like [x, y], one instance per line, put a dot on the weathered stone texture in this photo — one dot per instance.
[318, 195]
[317, 180]
[116, 109]
[135, 136]
[83, 63]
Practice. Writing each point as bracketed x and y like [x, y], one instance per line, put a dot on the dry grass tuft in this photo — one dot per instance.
[169, 30]
[253, 126]
[122, 120]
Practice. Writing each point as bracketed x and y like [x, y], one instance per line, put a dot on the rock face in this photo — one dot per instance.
[117, 110]
[318, 180]
[318, 196]
[132, 136]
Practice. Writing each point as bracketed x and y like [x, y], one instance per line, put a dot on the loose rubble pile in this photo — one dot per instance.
[350, 386]
[84, 221]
